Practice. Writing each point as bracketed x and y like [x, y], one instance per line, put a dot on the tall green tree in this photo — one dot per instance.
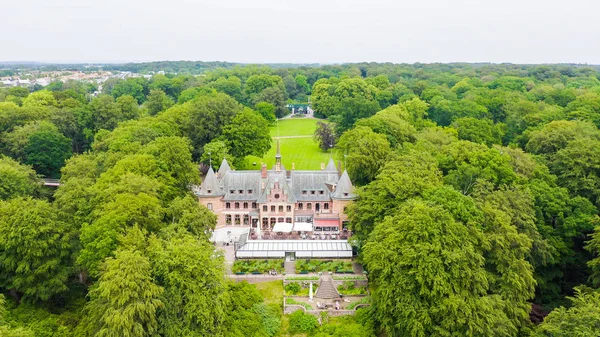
[17, 180]
[247, 134]
[366, 153]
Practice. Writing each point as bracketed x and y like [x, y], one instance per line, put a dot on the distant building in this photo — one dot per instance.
[261, 198]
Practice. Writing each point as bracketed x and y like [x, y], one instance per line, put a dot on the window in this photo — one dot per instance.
[265, 208]
[237, 219]
[288, 208]
[321, 192]
[345, 194]
[280, 208]
[317, 207]
[303, 192]
[232, 191]
[245, 205]
[209, 206]
[265, 222]
[309, 206]
[228, 219]
[249, 191]
[312, 192]
[326, 205]
[276, 195]
[241, 191]
[209, 191]
[246, 219]
[300, 205]
[273, 221]
[253, 205]
[237, 205]
[280, 220]
[228, 205]
[288, 220]
[272, 208]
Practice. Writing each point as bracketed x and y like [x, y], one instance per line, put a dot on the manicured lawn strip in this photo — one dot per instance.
[293, 301]
[302, 278]
[256, 266]
[350, 277]
[315, 266]
[294, 127]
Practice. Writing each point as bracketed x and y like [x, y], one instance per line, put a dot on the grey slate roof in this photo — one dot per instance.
[305, 182]
[331, 165]
[279, 177]
[210, 185]
[344, 188]
[246, 181]
[224, 168]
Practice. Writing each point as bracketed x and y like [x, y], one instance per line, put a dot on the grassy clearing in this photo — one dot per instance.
[303, 152]
[272, 292]
[294, 127]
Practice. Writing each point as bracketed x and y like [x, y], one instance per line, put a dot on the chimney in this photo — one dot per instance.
[339, 167]
[263, 171]
[322, 166]
[293, 166]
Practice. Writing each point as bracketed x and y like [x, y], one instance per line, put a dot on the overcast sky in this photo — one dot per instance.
[302, 31]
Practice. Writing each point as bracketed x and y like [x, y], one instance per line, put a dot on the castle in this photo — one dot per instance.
[259, 199]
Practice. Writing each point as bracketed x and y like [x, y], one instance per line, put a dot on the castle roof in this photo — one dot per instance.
[331, 166]
[344, 188]
[224, 168]
[210, 185]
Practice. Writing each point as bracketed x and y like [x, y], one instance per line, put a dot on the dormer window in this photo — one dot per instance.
[249, 191]
[232, 191]
[241, 191]
[304, 192]
[312, 192]
[345, 194]
[321, 192]
[209, 191]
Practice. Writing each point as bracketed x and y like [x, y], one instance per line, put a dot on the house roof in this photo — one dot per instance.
[344, 188]
[210, 185]
[304, 183]
[248, 182]
[224, 168]
[331, 165]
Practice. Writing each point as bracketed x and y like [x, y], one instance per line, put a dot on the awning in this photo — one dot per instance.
[282, 227]
[327, 223]
[303, 226]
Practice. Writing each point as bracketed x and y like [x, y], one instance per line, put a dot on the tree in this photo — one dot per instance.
[190, 308]
[391, 122]
[135, 87]
[46, 150]
[126, 300]
[247, 134]
[34, 263]
[428, 276]
[351, 110]
[267, 110]
[128, 108]
[367, 152]
[582, 319]
[274, 96]
[216, 150]
[482, 131]
[325, 135]
[6, 330]
[17, 180]
[41, 98]
[556, 135]
[157, 101]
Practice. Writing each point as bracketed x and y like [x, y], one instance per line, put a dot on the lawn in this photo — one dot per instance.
[303, 152]
[294, 127]
[271, 292]
[256, 266]
[313, 266]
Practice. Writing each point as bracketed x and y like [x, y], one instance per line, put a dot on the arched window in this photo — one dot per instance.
[300, 205]
[237, 205]
[288, 208]
[246, 219]
[281, 208]
[245, 205]
[253, 205]
[237, 219]
[309, 206]
[228, 205]
[228, 219]
[209, 206]
[265, 208]
[272, 208]
[288, 220]
[280, 219]
[326, 205]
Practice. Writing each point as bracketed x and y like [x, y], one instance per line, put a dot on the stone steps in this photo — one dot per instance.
[327, 289]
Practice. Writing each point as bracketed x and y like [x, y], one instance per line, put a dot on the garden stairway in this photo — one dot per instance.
[327, 289]
[290, 267]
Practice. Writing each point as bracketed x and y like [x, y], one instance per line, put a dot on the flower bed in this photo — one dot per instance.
[349, 288]
[302, 278]
[314, 266]
[256, 266]
[364, 300]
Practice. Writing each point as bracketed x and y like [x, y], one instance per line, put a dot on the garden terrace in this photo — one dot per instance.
[257, 266]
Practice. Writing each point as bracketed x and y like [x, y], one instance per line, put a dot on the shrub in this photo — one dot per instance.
[301, 322]
[293, 288]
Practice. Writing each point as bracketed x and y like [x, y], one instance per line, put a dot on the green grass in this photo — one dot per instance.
[303, 278]
[303, 152]
[313, 266]
[271, 292]
[294, 127]
[364, 300]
